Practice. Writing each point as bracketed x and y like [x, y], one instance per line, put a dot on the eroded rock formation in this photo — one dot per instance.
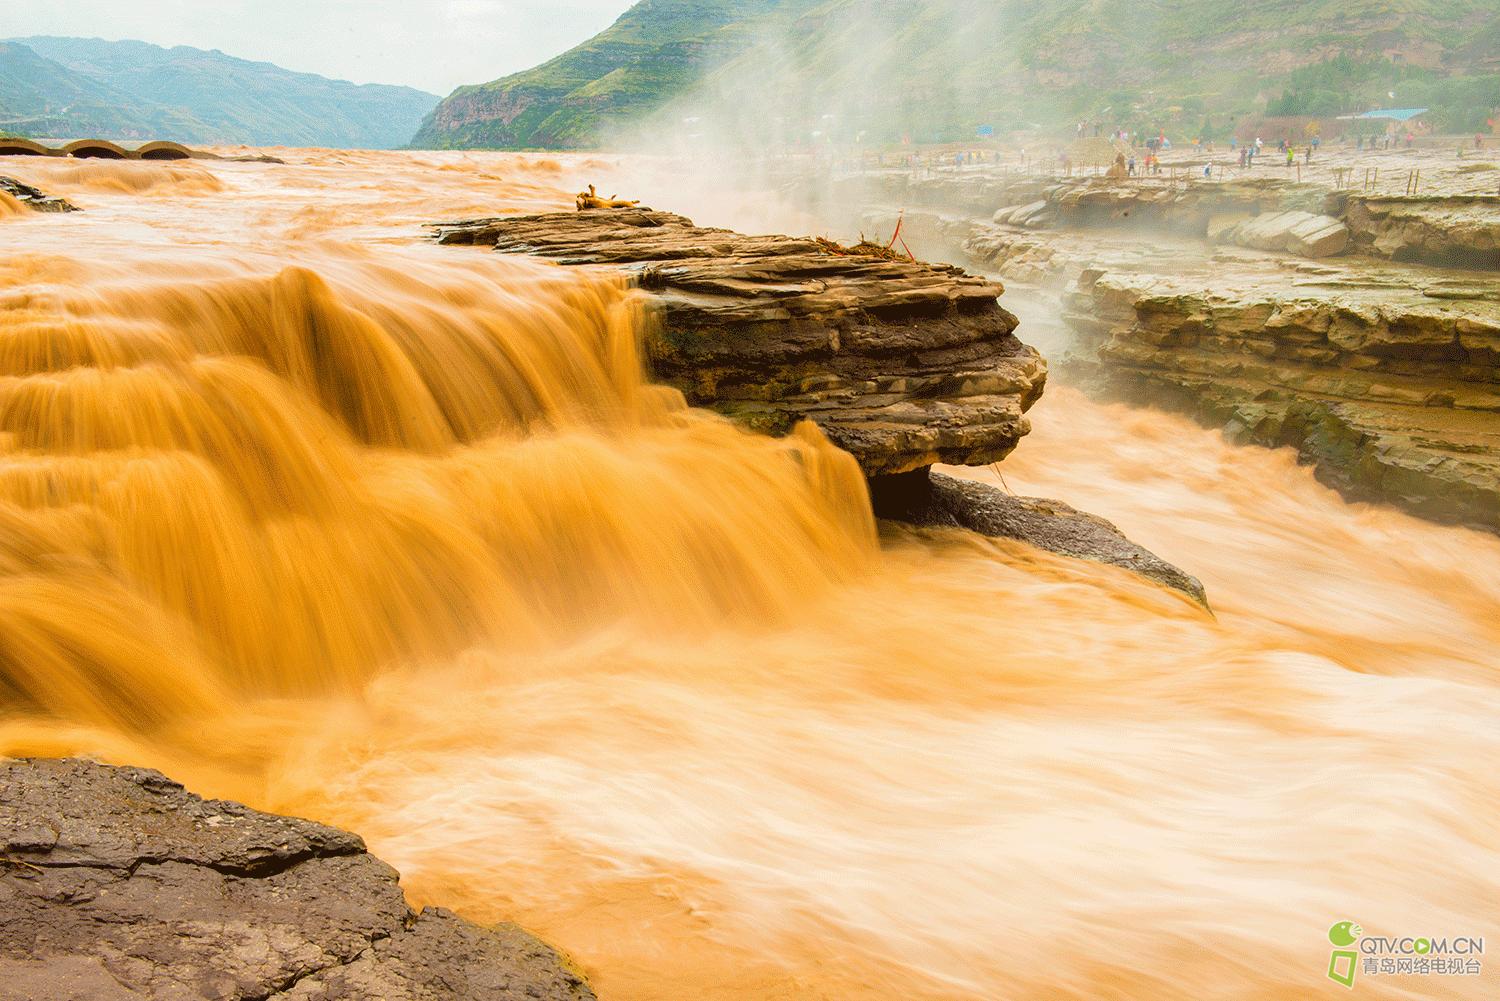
[902, 364]
[1393, 391]
[117, 883]
[1460, 231]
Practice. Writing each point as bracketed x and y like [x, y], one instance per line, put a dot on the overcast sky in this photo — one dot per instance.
[431, 44]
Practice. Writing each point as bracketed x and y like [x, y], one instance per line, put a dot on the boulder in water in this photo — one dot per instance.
[929, 499]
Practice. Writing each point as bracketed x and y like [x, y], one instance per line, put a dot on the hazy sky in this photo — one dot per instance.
[432, 44]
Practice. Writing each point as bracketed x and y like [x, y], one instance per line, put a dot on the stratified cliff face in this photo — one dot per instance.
[117, 883]
[900, 363]
[1392, 392]
[1361, 329]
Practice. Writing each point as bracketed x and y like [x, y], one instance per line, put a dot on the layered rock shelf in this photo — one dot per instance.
[902, 364]
[1393, 392]
[1444, 230]
[117, 883]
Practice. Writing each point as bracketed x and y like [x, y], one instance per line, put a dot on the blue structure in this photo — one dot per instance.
[1387, 115]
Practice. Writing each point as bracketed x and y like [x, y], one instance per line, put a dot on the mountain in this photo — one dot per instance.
[655, 51]
[41, 97]
[796, 71]
[134, 90]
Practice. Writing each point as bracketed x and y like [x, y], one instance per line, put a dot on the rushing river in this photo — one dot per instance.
[309, 513]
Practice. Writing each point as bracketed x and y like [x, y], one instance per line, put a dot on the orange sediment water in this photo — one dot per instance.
[312, 515]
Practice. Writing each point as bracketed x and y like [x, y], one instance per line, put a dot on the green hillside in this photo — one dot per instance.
[654, 52]
[132, 90]
[879, 70]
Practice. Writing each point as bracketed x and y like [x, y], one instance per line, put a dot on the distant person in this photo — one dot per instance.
[1291, 156]
[1130, 166]
[1307, 158]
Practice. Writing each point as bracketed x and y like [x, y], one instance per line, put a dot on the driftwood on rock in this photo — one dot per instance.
[591, 199]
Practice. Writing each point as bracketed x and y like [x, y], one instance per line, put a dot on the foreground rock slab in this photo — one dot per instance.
[935, 500]
[117, 883]
[902, 364]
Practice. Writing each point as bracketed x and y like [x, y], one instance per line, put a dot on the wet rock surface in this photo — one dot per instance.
[935, 500]
[903, 364]
[34, 198]
[117, 883]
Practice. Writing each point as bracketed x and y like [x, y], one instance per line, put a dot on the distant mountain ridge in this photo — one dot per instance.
[53, 86]
[806, 70]
[655, 51]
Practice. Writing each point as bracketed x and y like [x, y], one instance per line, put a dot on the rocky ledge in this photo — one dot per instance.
[117, 883]
[35, 198]
[902, 364]
[1266, 213]
[1388, 380]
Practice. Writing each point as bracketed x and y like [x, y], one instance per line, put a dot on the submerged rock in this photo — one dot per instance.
[117, 883]
[901, 363]
[34, 197]
[931, 499]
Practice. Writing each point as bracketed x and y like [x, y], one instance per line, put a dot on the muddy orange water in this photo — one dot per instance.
[309, 513]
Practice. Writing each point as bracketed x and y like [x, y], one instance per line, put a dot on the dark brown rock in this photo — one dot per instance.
[932, 499]
[901, 363]
[118, 883]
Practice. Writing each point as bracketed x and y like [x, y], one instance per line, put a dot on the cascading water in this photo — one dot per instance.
[398, 538]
